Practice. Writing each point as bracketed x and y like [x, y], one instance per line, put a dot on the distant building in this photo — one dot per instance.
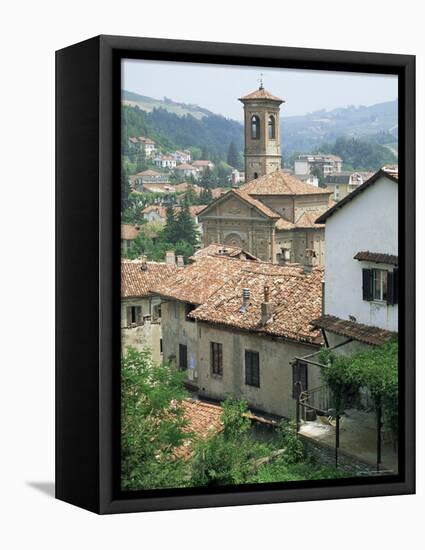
[202, 165]
[343, 183]
[323, 163]
[235, 326]
[142, 143]
[159, 213]
[165, 161]
[182, 156]
[147, 176]
[186, 170]
[128, 234]
[311, 179]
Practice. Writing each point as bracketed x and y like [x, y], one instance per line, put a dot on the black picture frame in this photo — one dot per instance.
[88, 274]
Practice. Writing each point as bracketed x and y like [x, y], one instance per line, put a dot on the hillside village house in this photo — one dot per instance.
[202, 165]
[273, 215]
[128, 234]
[182, 156]
[137, 181]
[142, 143]
[325, 164]
[343, 183]
[140, 311]
[236, 325]
[186, 170]
[165, 161]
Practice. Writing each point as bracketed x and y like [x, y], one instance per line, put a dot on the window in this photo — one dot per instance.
[255, 175]
[134, 314]
[252, 368]
[299, 378]
[182, 357]
[380, 285]
[217, 358]
[255, 127]
[272, 127]
[188, 309]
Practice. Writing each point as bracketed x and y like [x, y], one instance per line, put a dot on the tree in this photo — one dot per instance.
[125, 187]
[171, 224]
[152, 423]
[185, 226]
[233, 155]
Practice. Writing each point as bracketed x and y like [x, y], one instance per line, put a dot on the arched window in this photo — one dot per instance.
[272, 127]
[255, 127]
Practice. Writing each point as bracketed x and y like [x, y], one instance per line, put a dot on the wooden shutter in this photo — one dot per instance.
[367, 284]
[392, 287]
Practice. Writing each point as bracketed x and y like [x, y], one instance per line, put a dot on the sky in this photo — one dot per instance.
[217, 87]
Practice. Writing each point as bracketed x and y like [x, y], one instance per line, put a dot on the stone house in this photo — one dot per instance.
[165, 161]
[140, 311]
[137, 181]
[186, 170]
[236, 326]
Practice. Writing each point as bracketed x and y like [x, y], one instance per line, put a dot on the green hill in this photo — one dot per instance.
[148, 104]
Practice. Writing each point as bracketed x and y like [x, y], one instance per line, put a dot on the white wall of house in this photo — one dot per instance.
[367, 223]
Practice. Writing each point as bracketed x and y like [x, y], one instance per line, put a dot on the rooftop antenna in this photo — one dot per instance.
[260, 80]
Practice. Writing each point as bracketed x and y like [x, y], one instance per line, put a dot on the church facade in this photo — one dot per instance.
[273, 215]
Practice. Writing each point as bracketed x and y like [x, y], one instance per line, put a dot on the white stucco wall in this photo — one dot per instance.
[367, 223]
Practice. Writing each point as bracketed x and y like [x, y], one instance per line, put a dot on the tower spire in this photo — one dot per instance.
[260, 80]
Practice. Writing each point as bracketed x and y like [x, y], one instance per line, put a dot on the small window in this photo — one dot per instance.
[255, 127]
[134, 314]
[255, 175]
[217, 358]
[272, 127]
[376, 283]
[252, 368]
[182, 357]
[188, 309]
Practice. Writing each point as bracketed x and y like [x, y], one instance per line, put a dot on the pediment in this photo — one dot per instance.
[231, 206]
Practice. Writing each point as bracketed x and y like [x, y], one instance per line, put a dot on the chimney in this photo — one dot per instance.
[144, 263]
[180, 261]
[170, 257]
[266, 307]
[245, 296]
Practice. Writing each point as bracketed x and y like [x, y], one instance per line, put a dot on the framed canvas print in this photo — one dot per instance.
[235, 274]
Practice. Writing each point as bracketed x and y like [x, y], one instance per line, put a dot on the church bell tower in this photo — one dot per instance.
[262, 133]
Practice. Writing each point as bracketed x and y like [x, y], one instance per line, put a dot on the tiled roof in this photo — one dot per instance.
[148, 173]
[218, 191]
[307, 220]
[216, 249]
[196, 282]
[185, 166]
[256, 203]
[129, 232]
[377, 258]
[203, 420]
[261, 93]
[363, 333]
[295, 300]
[162, 211]
[281, 183]
[135, 282]
[348, 198]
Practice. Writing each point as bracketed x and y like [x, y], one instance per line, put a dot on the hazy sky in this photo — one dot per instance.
[217, 87]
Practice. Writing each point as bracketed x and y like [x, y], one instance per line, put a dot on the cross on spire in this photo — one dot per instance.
[260, 80]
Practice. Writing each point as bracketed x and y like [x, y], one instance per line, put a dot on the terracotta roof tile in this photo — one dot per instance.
[282, 183]
[377, 257]
[136, 282]
[256, 203]
[363, 333]
[295, 300]
[129, 232]
[261, 93]
[217, 249]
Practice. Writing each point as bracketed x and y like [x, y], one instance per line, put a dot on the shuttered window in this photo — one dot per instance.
[252, 368]
[217, 358]
[380, 285]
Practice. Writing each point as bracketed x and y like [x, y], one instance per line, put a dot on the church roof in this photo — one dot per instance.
[281, 183]
[261, 93]
[258, 204]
